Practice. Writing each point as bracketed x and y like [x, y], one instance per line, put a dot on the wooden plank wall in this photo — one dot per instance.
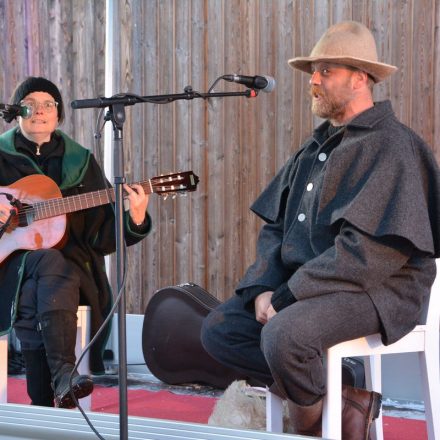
[235, 145]
[61, 40]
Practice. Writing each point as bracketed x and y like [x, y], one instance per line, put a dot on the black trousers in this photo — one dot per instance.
[50, 282]
[288, 350]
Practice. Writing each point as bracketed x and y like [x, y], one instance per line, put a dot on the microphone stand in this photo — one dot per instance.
[116, 114]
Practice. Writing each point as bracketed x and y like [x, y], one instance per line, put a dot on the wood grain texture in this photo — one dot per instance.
[235, 145]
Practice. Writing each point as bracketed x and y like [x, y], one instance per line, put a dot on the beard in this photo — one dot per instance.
[329, 105]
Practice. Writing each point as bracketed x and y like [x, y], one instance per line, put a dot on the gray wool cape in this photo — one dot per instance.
[374, 174]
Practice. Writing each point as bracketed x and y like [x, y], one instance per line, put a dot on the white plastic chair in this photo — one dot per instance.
[82, 339]
[424, 339]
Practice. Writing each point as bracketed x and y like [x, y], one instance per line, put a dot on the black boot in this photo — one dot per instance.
[58, 329]
[38, 377]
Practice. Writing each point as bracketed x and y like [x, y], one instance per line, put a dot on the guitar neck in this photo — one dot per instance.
[66, 205]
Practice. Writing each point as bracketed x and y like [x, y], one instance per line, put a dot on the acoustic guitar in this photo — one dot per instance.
[40, 210]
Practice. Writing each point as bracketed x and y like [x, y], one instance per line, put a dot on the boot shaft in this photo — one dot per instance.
[38, 377]
[58, 329]
[359, 409]
[306, 420]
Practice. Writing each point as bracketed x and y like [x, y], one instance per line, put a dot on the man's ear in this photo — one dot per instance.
[360, 79]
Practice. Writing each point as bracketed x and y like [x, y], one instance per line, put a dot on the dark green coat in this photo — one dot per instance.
[90, 235]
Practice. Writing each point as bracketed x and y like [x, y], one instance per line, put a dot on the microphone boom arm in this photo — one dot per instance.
[127, 99]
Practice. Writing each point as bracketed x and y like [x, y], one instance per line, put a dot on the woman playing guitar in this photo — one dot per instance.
[41, 287]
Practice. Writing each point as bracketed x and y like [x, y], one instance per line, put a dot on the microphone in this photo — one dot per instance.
[263, 83]
[10, 111]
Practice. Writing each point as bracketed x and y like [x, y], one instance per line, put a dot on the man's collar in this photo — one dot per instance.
[367, 119]
[370, 117]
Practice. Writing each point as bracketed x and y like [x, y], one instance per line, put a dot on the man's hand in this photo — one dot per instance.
[263, 307]
[271, 312]
[138, 202]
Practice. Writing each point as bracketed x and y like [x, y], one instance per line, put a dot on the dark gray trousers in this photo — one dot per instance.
[50, 282]
[288, 350]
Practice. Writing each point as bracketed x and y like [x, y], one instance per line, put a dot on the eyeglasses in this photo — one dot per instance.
[47, 106]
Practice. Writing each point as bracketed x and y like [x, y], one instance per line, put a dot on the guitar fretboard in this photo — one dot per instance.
[59, 206]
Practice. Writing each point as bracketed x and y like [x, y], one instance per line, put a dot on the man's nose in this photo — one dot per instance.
[315, 78]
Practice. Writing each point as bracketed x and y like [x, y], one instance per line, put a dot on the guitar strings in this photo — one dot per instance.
[59, 206]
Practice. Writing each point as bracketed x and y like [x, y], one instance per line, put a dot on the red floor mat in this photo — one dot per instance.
[189, 408]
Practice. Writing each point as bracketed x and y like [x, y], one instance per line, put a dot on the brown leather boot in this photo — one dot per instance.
[359, 409]
[306, 420]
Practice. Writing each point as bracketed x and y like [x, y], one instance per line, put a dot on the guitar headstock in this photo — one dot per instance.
[175, 183]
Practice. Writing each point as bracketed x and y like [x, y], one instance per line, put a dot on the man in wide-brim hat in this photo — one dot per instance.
[352, 230]
[350, 44]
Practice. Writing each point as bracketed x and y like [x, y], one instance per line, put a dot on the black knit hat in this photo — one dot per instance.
[38, 84]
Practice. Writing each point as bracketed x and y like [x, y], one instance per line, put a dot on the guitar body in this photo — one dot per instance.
[171, 342]
[40, 234]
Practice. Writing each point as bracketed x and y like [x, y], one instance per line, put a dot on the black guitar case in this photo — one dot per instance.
[171, 341]
[171, 338]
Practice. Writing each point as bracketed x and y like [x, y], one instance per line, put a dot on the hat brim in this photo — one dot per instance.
[378, 71]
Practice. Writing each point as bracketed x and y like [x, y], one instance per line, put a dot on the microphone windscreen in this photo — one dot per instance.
[270, 84]
[26, 112]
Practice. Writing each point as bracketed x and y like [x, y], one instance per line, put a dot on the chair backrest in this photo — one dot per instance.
[432, 307]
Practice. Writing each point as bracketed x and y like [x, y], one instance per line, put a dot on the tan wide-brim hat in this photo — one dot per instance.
[349, 43]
